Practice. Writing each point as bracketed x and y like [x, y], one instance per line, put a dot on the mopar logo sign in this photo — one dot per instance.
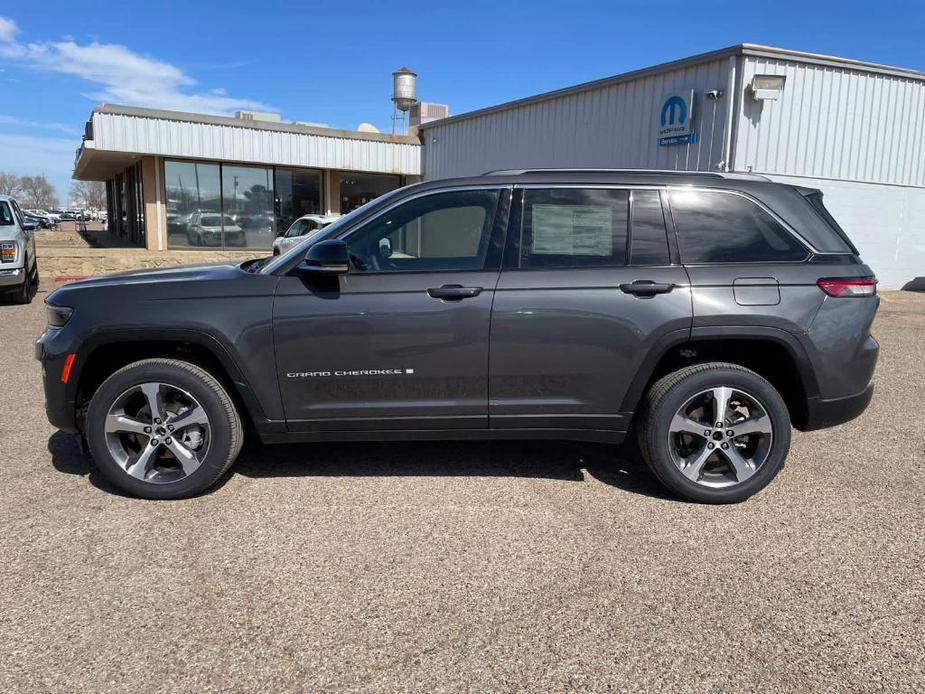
[675, 117]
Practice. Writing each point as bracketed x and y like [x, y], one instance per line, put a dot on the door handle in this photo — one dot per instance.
[453, 292]
[646, 287]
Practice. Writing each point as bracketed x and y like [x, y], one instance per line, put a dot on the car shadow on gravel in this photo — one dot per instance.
[619, 466]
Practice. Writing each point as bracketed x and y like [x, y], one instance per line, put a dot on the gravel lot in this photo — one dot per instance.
[475, 567]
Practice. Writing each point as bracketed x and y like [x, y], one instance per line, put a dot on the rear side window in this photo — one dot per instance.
[649, 240]
[719, 227]
[574, 227]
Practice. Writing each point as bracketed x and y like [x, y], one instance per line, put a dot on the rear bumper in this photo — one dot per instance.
[822, 413]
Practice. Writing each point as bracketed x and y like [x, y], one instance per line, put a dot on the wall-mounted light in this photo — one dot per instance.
[767, 87]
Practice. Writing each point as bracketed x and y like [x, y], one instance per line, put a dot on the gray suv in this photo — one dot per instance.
[706, 313]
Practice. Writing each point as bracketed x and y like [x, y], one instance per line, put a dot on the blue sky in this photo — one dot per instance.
[331, 61]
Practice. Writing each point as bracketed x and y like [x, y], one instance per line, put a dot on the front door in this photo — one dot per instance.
[401, 340]
[588, 291]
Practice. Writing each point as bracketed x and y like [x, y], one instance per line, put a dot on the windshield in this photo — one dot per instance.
[6, 217]
[331, 230]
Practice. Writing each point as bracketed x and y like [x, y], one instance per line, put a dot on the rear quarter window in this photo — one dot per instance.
[723, 227]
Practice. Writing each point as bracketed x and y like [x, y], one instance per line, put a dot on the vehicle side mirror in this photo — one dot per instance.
[326, 257]
[385, 247]
[30, 226]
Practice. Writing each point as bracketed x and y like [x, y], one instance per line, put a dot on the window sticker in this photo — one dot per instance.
[572, 230]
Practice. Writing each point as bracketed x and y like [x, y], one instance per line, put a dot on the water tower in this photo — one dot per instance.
[404, 82]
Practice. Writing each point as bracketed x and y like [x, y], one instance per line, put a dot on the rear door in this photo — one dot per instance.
[589, 289]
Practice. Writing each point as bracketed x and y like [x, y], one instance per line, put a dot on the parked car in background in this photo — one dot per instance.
[206, 229]
[305, 224]
[67, 216]
[19, 271]
[49, 221]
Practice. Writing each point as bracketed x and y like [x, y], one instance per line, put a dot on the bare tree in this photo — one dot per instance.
[10, 184]
[37, 191]
[92, 194]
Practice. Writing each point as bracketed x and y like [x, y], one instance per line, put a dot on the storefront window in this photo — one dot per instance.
[247, 203]
[193, 190]
[298, 192]
[357, 189]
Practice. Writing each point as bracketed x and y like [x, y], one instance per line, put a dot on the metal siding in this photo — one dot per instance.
[608, 126]
[833, 122]
[172, 138]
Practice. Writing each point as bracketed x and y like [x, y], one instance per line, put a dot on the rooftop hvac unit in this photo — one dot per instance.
[425, 112]
[258, 115]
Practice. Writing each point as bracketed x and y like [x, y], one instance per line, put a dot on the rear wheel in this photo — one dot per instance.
[715, 433]
[163, 429]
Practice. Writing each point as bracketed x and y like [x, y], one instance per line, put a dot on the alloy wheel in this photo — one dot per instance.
[720, 437]
[157, 433]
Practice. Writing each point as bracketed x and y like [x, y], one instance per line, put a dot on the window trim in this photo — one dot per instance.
[806, 245]
[499, 227]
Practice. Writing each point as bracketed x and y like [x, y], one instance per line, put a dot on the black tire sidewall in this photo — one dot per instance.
[659, 421]
[221, 437]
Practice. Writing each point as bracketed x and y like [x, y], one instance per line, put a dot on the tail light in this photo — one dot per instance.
[848, 286]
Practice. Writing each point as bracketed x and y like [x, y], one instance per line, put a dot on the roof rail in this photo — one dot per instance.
[658, 172]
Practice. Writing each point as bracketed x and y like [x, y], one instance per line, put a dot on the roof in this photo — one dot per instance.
[739, 49]
[188, 117]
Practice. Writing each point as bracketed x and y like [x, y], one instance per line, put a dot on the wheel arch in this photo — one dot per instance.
[774, 354]
[108, 352]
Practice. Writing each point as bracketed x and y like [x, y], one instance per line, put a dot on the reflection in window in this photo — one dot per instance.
[192, 189]
[357, 189]
[247, 201]
[298, 192]
[716, 227]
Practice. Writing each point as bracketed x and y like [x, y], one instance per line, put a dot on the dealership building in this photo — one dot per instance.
[853, 129]
[186, 181]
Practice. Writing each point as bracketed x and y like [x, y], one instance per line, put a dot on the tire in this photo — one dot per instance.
[23, 293]
[126, 458]
[718, 468]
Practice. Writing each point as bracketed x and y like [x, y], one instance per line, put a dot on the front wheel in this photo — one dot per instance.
[24, 293]
[715, 433]
[163, 429]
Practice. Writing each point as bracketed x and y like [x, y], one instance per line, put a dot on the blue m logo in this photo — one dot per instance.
[674, 107]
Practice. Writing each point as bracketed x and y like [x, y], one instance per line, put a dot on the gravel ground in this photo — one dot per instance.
[476, 567]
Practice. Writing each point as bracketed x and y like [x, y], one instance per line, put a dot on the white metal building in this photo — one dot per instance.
[188, 180]
[855, 130]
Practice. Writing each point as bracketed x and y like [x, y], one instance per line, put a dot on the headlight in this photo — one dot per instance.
[58, 316]
[7, 251]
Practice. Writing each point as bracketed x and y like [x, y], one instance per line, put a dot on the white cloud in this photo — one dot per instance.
[8, 29]
[42, 125]
[124, 76]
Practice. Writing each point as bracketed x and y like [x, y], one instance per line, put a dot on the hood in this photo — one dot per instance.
[180, 273]
[9, 232]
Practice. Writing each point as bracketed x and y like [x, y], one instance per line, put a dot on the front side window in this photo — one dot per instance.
[440, 232]
[718, 227]
[574, 227]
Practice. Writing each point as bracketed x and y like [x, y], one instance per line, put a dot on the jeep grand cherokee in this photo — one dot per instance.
[707, 312]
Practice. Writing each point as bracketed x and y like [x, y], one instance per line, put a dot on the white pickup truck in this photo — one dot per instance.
[19, 272]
